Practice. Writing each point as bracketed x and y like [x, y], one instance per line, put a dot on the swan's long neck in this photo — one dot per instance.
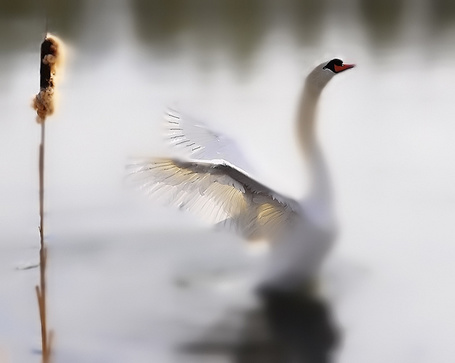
[320, 196]
[307, 119]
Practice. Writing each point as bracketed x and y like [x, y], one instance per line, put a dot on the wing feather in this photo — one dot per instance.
[219, 193]
[194, 139]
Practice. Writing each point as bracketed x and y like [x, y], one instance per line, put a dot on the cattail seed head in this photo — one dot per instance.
[51, 57]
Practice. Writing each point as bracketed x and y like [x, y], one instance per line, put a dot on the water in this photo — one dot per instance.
[133, 281]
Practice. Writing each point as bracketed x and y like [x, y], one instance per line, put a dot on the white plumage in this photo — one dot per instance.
[220, 193]
[195, 140]
[205, 181]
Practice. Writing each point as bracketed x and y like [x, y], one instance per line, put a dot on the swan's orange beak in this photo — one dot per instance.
[342, 68]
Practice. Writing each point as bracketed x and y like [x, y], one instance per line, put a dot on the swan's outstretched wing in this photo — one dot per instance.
[197, 141]
[219, 192]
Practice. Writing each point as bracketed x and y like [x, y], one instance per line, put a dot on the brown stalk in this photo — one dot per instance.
[41, 289]
[43, 103]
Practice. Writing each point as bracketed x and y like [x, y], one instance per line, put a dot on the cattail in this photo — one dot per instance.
[51, 58]
[43, 103]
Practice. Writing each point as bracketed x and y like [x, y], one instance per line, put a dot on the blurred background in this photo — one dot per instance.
[131, 280]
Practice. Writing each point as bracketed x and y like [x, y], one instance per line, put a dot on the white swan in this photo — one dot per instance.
[299, 232]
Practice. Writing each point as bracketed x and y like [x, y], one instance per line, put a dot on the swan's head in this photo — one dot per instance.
[337, 66]
[324, 72]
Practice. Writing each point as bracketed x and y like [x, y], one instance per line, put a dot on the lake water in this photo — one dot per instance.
[131, 280]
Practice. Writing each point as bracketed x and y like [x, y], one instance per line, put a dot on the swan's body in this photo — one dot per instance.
[299, 232]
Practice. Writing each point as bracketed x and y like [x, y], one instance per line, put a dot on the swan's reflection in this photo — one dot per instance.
[289, 327]
[301, 326]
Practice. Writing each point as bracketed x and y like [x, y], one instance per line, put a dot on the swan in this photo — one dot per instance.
[205, 180]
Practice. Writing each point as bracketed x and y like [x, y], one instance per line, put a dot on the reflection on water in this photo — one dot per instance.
[442, 14]
[237, 26]
[23, 22]
[382, 19]
[302, 327]
[305, 19]
[289, 327]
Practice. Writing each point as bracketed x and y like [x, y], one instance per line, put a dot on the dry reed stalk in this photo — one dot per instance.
[43, 103]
